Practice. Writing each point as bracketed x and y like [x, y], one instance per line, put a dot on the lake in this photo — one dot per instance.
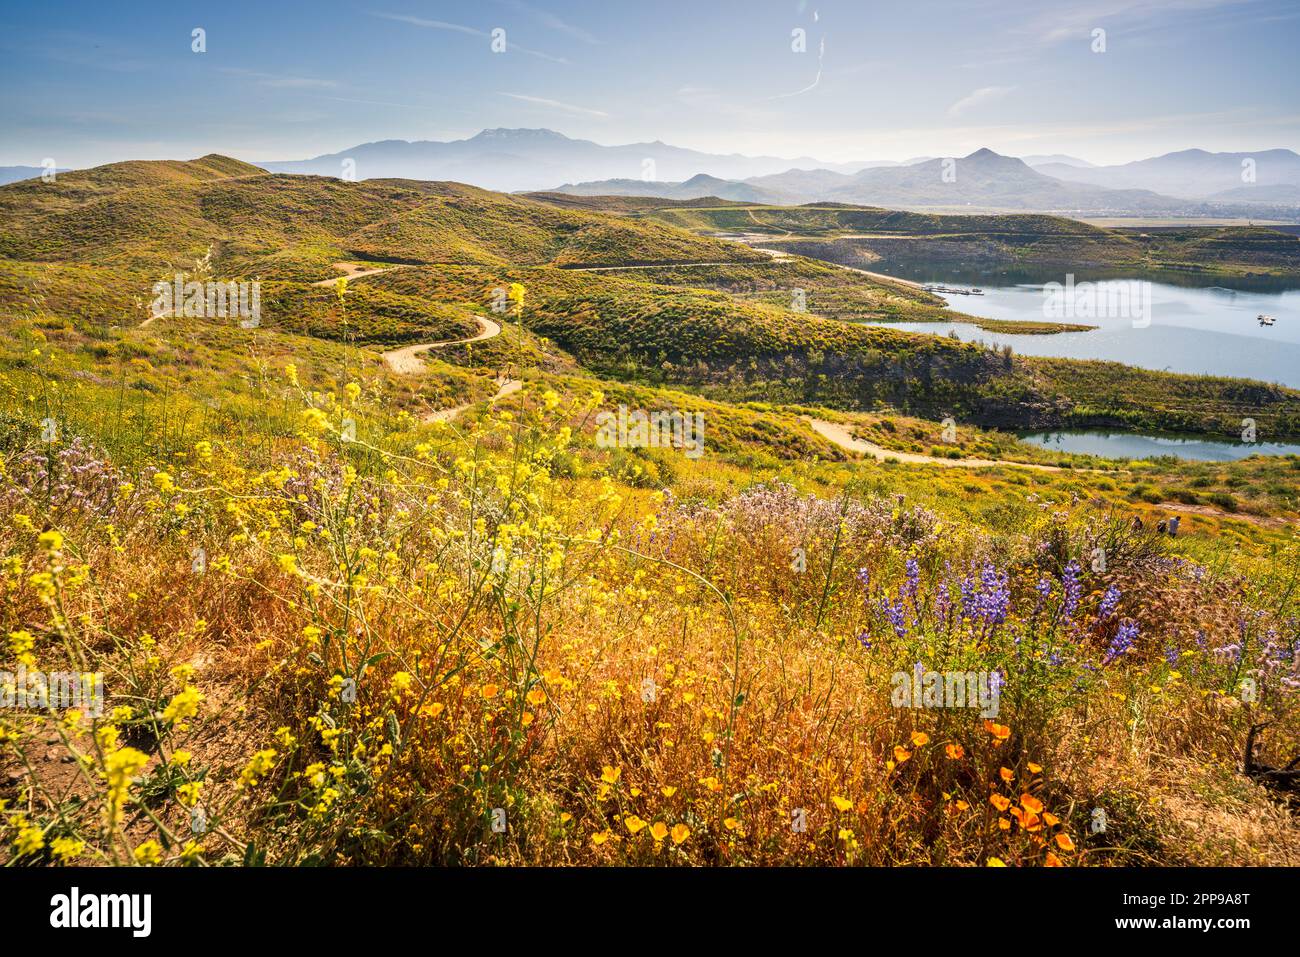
[1197, 325]
[1133, 446]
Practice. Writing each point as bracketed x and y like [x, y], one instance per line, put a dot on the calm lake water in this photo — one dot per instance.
[1132, 446]
[1198, 326]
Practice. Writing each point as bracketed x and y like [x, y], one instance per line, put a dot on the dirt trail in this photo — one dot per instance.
[505, 387]
[754, 243]
[353, 271]
[883, 278]
[653, 266]
[774, 253]
[843, 436]
[407, 361]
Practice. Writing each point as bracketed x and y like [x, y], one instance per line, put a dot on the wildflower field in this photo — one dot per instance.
[346, 614]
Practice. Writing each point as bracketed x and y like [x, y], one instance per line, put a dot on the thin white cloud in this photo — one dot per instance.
[537, 53]
[554, 22]
[557, 105]
[280, 80]
[821, 55]
[983, 95]
[428, 24]
[1079, 19]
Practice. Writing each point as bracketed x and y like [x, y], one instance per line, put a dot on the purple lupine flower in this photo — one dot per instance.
[1073, 589]
[894, 612]
[968, 597]
[1044, 590]
[1122, 642]
[864, 578]
[1109, 602]
[864, 639]
[913, 579]
[995, 596]
[1172, 654]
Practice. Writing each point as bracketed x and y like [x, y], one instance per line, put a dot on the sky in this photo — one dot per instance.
[93, 82]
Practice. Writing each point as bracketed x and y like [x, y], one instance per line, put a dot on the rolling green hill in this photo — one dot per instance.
[861, 235]
[160, 216]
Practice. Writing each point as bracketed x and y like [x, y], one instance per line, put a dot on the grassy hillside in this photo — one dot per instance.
[165, 215]
[858, 236]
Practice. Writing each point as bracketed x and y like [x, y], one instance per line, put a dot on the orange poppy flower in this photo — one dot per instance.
[1000, 732]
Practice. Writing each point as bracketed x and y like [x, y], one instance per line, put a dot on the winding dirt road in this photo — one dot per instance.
[505, 387]
[843, 436]
[651, 266]
[353, 271]
[407, 361]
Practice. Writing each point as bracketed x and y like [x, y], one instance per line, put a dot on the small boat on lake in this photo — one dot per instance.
[1266, 320]
[953, 290]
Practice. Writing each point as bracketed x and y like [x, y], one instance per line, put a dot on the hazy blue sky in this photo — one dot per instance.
[95, 82]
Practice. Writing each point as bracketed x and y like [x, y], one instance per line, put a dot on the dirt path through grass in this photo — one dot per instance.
[407, 361]
[843, 436]
[353, 271]
[649, 266]
[505, 387]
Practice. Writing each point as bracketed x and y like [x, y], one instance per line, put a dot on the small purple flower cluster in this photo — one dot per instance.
[988, 597]
[1109, 602]
[1073, 589]
[894, 611]
[1122, 642]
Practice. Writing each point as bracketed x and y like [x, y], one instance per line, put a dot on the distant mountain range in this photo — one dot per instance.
[1193, 174]
[984, 180]
[1261, 185]
[513, 160]
[533, 160]
[1056, 158]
